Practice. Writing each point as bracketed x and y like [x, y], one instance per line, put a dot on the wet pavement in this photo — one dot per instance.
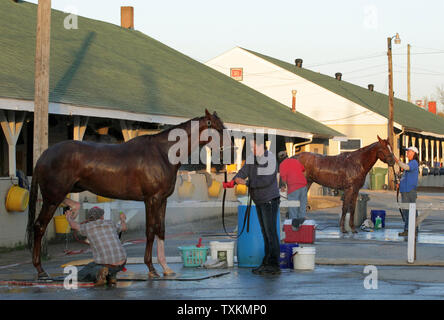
[340, 272]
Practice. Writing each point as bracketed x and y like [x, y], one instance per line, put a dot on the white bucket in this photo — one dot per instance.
[304, 258]
[222, 251]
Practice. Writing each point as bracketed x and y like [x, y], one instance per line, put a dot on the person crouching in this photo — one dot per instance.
[108, 253]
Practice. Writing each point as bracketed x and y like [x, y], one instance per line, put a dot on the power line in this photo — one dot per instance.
[348, 60]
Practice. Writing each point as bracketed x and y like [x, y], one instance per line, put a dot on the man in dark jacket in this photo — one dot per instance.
[262, 183]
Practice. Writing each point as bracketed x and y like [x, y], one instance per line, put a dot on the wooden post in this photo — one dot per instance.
[289, 146]
[409, 93]
[127, 130]
[11, 127]
[79, 127]
[41, 84]
[390, 131]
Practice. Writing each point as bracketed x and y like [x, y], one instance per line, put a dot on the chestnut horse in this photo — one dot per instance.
[139, 169]
[346, 171]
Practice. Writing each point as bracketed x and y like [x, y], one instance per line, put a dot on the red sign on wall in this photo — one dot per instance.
[237, 73]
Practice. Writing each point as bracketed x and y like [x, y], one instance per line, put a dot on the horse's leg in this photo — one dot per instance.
[39, 230]
[344, 212]
[160, 233]
[151, 211]
[352, 207]
[349, 195]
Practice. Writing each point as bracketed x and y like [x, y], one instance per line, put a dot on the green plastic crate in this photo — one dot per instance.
[193, 256]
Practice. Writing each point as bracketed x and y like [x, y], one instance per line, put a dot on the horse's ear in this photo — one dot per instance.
[379, 139]
[215, 114]
[207, 113]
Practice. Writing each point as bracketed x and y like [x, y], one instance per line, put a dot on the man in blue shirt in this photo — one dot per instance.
[408, 184]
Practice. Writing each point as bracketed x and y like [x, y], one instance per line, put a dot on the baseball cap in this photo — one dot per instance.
[414, 149]
[94, 214]
[282, 154]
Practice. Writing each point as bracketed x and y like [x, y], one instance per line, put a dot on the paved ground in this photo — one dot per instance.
[339, 273]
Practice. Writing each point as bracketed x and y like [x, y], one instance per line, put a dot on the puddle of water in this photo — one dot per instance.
[379, 235]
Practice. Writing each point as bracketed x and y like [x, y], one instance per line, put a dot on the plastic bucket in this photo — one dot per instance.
[240, 190]
[17, 199]
[304, 258]
[285, 259]
[186, 190]
[222, 251]
[376, 213]
[61, 224]
[250, 245]
[103, 199]
[214, 189]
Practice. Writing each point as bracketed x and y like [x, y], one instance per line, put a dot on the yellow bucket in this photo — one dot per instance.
[240, 189]
[61, 224]
[17, 199]
[231, 168]
[214, 189]
[186, 190]
[103, 199]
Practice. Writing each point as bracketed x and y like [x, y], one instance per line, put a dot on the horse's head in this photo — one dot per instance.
[385, 153]
[213, 122]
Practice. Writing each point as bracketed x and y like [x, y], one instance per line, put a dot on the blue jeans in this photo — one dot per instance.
[89, 272]
[408, 197]
[301, 195]
[267, 215]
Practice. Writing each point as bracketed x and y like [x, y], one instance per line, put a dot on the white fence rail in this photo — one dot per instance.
[426, 209]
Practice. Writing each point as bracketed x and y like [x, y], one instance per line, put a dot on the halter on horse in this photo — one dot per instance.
[139, 169]
[346, 171]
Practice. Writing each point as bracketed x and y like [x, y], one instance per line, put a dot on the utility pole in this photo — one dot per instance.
[409, 93]
[390, 131]
[41, 89]
[41, 80]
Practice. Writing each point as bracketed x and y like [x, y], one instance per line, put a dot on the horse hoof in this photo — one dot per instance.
[354, 231]
[169, 272]
[43, 276]
[153, 275]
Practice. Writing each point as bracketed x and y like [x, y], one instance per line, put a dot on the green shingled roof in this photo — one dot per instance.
[405, 113]
[103, 65]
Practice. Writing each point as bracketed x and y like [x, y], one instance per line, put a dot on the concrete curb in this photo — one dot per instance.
[378, 262]
[322, 261]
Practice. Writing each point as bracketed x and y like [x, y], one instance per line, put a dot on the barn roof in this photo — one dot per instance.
[102, 65]
[406, 114]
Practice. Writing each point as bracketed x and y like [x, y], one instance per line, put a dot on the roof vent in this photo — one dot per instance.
[371, 87]
[338, 76]
[127, 17]
[298, 63]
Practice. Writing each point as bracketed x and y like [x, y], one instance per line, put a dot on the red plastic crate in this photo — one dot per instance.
[305, 234]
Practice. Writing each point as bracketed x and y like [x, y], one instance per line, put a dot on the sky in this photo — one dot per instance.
[347, 36]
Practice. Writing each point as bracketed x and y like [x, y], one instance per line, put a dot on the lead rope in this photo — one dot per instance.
[247, 213]
[395, 177]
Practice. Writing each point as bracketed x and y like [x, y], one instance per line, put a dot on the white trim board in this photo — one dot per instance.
[72, 110]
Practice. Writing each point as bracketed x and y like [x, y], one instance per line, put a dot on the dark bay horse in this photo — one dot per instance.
[139, 169]
[346, 172]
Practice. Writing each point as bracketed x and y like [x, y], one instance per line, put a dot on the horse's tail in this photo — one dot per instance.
[31, 210]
